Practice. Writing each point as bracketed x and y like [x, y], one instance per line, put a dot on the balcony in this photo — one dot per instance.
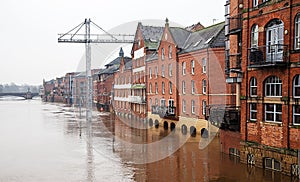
[225, 117]
[137, 99]
[235, 24]
[164, 111]
[233, 68]
[268, 56]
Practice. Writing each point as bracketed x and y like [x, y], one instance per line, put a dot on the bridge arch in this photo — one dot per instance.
[173, 126]
[193, 131]
[184, 129]
[156, 123]
[204, 133]
[166, 125]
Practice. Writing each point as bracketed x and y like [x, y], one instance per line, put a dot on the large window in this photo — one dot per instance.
[193, 86]
[296, 114]
[274, 41]
[150, 88]
[162, 102]
[253, 87]
[254, 36]
[150, 73]
[183, 68]
[204, 86]
[170, 51]
[183, 87]
[183, 106]
[297, 32]
[253, 111]
[193, 67]
[170, 87]
[170, 69]
[162, 70]
[296, 86]
[162, 53]
[193, 106]
[273, 86]
[273, 112]
[272, 164]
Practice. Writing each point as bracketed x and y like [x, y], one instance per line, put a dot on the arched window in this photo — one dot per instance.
[297, 32]
[296, 86]
[273, 87]
[253, 87]
[254, 36]
[274, 41]
[162, 54]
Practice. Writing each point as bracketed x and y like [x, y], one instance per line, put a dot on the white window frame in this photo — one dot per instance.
[254, 36]
[253, 111]
[170, 87]
[273, 85]
[183, 106]
[162, 54]
[156, 88]
[183, 68]
[183, 87]
[170, 69]
[163, 87]
[296, 85]
[193, 106]
[255, 3]
[204, 62]
[150, 88]
[274, 112]
[253, 86]
[150, 73]
[297, 32]
[163, 70]
[163, 102]
[193, 86]
[296, 114]
[170, 51]
[192, 67]
[204, 86]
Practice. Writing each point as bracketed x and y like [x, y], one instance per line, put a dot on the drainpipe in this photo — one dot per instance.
[246, 126]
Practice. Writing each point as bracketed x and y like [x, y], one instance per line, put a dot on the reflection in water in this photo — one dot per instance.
[49, 142]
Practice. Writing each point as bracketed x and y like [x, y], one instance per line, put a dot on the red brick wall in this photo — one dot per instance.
[229, 140]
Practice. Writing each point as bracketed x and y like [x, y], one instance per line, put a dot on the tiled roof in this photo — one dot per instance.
[212, 36]
[179, 35]
[151, 36]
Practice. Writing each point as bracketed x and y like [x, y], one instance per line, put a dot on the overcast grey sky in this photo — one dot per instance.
[29, 28]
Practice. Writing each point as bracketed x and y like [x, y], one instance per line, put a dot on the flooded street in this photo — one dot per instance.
[49, 142]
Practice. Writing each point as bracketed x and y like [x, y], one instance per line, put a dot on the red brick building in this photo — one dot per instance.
[122, 88]
[185, 78]
[104, 83]
[145, 44]
[264, 61]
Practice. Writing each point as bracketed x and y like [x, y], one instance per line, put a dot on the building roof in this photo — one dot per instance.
[179, 35]
[212, 36]
[151, 35]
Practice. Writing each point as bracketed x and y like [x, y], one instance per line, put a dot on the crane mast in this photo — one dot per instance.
[73, 36]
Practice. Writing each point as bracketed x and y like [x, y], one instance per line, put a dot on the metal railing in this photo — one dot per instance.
[163, 111]
[275, 54]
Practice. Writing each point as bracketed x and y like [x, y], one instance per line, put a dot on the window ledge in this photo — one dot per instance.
[272, 123]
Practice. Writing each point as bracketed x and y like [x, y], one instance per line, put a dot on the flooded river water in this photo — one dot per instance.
[49, 142]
